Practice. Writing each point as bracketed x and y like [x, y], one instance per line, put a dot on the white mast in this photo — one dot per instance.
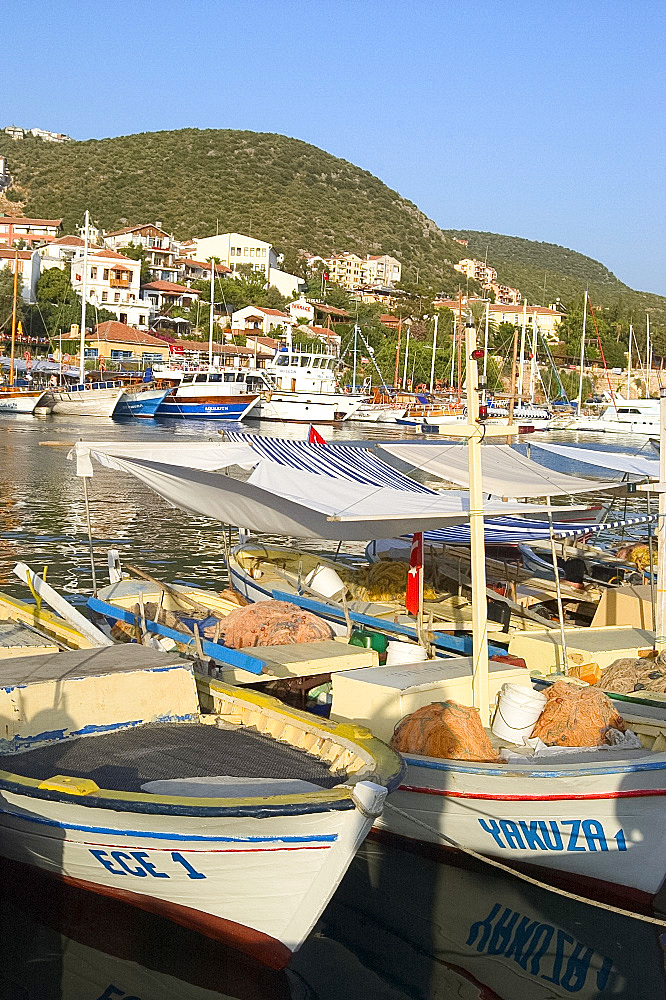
[434, 348]
[477, 543]
[582, 357]
[660, 623]
[522, 352]
[649, 355]
[453, 352]
[485, 343]
[533, 360]
[404, 370]
[631, 336]
[212, 304]
[84, 293]
[355, 352]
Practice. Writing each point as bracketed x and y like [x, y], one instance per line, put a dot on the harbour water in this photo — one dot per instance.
[402, 925]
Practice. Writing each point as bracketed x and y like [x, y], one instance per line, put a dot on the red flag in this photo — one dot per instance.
[314, 437]
[78, 277]
[412, 593]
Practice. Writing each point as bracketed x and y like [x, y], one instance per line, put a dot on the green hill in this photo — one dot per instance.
[288, 192]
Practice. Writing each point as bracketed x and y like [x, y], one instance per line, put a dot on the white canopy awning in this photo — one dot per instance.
[634, 465]
[283, 501]
[506, 473]
[207, 455]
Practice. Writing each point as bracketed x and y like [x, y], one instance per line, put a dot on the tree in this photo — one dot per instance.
[55, 286]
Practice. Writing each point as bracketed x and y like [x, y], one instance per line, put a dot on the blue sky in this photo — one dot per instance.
[543, 120]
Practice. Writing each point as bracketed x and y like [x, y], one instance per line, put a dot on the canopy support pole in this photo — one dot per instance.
[90, 541]
[660, 625]
[653, 592]
[558, 591]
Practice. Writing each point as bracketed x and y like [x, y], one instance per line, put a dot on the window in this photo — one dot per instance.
[106, 274]
[142, 321]
[93, 273]
[233, 251]
[201, 378]
[132, 298]
[116, 297]
[214, 377]
[120, 355]
[229, 377]
[245, 252]
[238, 251]
[150, 358]
[251, 251]
[90, 352]
[105, 296]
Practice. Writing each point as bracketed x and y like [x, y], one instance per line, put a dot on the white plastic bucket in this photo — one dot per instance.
[399, 652]
[518, 709]
[324, 581]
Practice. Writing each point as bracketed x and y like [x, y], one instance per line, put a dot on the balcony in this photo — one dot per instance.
[119, 282]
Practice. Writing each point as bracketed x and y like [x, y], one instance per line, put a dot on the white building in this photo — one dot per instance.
[382, 270]
[165, 295]
[60, 252]
[237, 251]
[113, 283]
[260, 318]
[28, 270]
[159, 246]
[301, 309]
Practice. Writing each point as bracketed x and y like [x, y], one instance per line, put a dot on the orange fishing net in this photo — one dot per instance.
[272, 623]
[444, 729]
[576, 717]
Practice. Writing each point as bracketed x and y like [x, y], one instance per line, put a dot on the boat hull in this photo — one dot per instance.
[87, 402]
[140, 404]
[601, 822]
[16, 401]
[232, 408]
[305, 407]
[256, 883]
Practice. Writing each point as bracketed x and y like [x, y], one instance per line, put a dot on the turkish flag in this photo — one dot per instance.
[314, 437]
[78, 277]
[412, 592]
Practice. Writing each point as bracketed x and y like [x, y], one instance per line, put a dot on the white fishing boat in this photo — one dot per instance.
[238, 824]
[205, 392]
[89, 399]
[621, 416]
[15, 398]
[302, 386]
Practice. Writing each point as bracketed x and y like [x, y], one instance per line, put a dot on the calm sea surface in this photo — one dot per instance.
[400, 926]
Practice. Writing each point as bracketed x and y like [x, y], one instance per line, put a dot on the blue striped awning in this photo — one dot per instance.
[515, 530]
[340, 461]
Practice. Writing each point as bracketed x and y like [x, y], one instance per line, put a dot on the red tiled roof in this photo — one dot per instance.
[121, 334]
[19, 220]
[134, 229]
[331, 310]
[322, 331]
[171, 286]
[9, 252]
[67, 241]
[205, 264]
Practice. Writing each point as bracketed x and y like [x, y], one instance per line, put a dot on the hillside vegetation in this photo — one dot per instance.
[293, 194]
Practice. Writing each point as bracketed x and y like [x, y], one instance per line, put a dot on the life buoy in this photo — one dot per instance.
[102, 365]
[421, 387]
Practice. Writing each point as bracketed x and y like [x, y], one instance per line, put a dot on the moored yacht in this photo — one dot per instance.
[205, 392]
[622, 416]
[302, 386]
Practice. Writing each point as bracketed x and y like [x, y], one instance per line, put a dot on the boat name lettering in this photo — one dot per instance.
[533, 945]
[114, 993]
[553, 835]
[138, 863]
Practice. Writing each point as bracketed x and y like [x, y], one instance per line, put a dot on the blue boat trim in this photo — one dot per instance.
[323, 838]
[511, 770]
[215, 650]
[448, 643]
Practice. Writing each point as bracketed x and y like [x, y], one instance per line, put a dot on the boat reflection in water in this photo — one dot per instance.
[434, 927]
[63, 943]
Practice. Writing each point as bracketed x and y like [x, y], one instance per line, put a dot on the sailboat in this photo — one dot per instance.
[14, 398]
[86, 399]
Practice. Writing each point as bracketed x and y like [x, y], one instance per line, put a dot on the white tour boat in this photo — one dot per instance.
[622, 416]
[302, 386]
[204, 391]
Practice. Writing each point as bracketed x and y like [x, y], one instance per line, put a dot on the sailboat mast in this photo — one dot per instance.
[649, 355]
[631, 335]
[14, 301]
[84, 296]
[212, 309]
[485, 345]
[523, 334]
[404, 370]
[434, 348]
[533, 359]
[355, 353]
[477, 542]
[582, 357]
[396, 384]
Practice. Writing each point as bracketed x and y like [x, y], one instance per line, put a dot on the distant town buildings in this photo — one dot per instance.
[480, 271]
[547, 319]
[160, 250]
[17, 132]
[350, 271]
[259, 318]
[31, 232]
[113, 282]
[114, 341]
[239, 252]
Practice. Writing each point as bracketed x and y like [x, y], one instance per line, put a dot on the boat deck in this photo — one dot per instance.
[127, 759]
